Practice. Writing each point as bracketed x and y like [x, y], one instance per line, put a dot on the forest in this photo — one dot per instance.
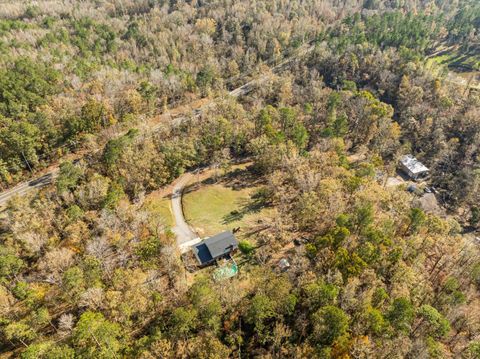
[123, 98]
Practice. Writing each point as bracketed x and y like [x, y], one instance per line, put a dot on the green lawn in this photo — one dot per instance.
[213, 208]
[161, 206]
[456, 61]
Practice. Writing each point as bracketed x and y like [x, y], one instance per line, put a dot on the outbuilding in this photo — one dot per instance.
[283, 264]
[413, 167]
[216, 247]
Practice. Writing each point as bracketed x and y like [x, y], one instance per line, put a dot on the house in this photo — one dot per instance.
[413, 167]
[216, 247]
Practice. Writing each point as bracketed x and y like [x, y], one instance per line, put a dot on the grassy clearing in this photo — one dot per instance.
[161, 206]
[442, 59]
[458, 68]
[456, 61]
[214, 207]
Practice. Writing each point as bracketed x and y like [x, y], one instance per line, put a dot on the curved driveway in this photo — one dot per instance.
[182, 230]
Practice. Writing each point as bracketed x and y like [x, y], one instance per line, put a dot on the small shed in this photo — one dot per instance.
[283, 264]
[413, 167]
[213, 248]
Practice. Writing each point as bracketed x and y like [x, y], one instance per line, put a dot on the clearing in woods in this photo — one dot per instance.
[214, 205]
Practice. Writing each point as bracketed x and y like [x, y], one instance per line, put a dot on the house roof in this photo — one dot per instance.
[202, 253]
[412, 164]
[215, 247]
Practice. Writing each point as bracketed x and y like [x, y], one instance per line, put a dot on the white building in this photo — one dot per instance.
[413, 167]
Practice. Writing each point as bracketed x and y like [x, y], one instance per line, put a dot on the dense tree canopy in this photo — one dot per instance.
[89, 268]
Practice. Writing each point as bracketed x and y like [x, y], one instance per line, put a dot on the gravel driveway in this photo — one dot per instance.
[182, 230]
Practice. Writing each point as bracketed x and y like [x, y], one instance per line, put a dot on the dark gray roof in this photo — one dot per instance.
[221, 243]
[202, 253]
[215, 247]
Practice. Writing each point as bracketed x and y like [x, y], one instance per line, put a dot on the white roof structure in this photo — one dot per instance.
[413, 165]
[284, 264]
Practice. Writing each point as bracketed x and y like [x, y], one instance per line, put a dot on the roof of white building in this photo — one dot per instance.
[413, 165]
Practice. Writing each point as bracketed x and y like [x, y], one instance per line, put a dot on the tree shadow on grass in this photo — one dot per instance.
[194, 186]
[254, 204]
[236, 179]
[239, 179]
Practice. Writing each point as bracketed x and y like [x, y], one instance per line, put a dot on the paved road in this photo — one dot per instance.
[47, 178]
[182, 230]
[25, 187]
